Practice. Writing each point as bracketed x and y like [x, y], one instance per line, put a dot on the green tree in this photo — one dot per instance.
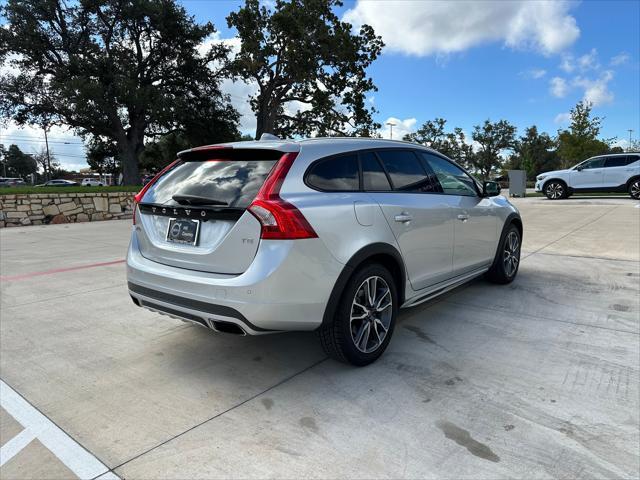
[125, 70]
[103, 157]
[46, 163]
[300, 53]
[452, 144]
[492, 139]
[18, 163]
[581, 141]
[535, 153]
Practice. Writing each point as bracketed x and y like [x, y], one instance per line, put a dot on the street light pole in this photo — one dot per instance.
[630, 132]
[391, 125]
[46, 141]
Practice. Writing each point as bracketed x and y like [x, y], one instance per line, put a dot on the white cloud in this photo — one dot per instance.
[400, 127]
[588, 61]
[562, 118]
[534, 73]
[596, 91]
[558, 87]
[620, 59]
[442, 27]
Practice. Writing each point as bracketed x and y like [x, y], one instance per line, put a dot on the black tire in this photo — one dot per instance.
[506, 263]
[634, 188]
[338, 338]
[556, 190]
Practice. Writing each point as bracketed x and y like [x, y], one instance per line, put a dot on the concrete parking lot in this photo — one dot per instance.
[537, 379]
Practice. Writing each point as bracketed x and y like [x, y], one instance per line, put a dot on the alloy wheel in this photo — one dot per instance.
[635, 189]
[371, 313]
[511, 254]
[555, 190]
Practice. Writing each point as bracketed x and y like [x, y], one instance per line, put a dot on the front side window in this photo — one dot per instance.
[453, 179]
[336, 174]
[592, 163]
[405, 170]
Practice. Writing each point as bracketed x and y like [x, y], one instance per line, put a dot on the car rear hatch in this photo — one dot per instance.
[194, 215]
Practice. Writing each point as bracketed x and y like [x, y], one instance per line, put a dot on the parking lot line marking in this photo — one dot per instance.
[73, 455]
[13, 446]
[24, 276]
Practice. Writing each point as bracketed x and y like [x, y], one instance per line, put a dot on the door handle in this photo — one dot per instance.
[403, 218]
[463, 218]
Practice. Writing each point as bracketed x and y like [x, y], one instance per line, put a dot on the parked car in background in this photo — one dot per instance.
[146, 179]
[59, 183]
[91, 182]
[618, 172]
[324, 234]
[12, 182]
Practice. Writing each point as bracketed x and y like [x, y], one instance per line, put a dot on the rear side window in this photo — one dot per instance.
[226, 182]
[336, 174]
[373, 176]
[405, 170]
[620, 161]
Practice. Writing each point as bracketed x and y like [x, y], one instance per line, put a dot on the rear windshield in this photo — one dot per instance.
[231, 182]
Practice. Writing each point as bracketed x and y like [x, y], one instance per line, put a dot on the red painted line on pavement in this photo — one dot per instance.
[24, 276]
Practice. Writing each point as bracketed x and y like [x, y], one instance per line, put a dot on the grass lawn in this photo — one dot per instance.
[24, 190]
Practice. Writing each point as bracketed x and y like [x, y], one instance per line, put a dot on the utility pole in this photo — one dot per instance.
[630, 132]
[46, 141]
[391, 125]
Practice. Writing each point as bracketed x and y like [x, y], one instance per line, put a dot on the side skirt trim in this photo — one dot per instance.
[440, 289]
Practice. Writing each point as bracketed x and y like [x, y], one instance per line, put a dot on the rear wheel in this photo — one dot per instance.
[365, 317]
[634, 188]
[555, 190]
[505, 265]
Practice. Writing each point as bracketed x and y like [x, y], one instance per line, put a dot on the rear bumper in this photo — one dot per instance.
[286, 287]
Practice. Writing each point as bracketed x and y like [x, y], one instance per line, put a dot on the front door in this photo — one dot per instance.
[475, 222]
[589, 174]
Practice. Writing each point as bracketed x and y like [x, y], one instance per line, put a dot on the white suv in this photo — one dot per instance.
[618, 172]
[333, 235]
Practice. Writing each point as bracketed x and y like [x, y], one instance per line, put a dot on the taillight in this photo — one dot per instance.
[279, 219]
[138, 197]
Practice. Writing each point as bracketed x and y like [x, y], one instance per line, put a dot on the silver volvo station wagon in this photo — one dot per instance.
[327, 234]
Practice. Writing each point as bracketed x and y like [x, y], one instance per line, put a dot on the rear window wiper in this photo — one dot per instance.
[194, 200]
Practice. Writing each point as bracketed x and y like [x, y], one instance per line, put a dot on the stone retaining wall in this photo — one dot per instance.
[38, 209]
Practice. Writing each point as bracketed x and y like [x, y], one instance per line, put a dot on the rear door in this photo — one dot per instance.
[476, 225]
[590, 174]
[421, 219]
[618, 169]
[195, 215]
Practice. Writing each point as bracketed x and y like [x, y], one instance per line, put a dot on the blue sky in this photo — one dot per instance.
[527, 62]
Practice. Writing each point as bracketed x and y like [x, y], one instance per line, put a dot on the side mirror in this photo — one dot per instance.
[490, 189]
[579, 168]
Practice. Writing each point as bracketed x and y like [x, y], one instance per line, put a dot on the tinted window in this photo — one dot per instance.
[593, 163]
[453, 180]
[405, 170]
[620, 161]
[234, 182]
[335, 174]
[633, 159]
[373, 176]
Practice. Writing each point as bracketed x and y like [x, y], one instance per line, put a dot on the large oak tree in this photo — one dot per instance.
[310, 68]
[117, 70]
